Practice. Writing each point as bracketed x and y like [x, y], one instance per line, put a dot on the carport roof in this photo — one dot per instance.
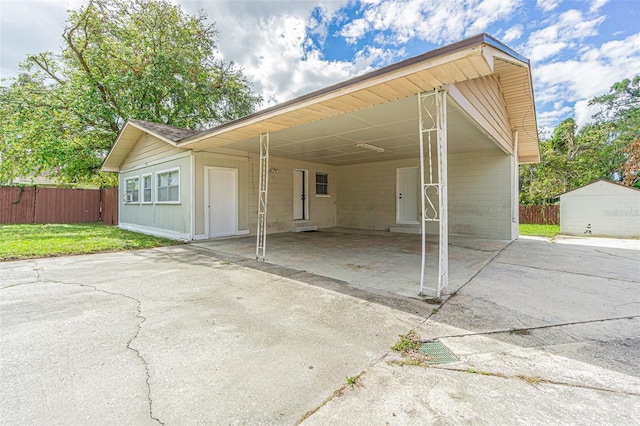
[468, 59]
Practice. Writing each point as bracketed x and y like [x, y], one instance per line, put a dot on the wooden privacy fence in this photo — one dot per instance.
[541, 215]
[31, 204]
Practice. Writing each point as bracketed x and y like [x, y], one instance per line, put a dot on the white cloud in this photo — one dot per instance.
[597, 4]
[590, 74]
[436, 22]
[512, 33]
[570, 27]
[547, 5]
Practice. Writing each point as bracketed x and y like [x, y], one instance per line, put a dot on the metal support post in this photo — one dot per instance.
[261, 237]
[433, 125]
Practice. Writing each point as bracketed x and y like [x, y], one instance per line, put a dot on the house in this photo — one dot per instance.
[455, 121]
[601, 208]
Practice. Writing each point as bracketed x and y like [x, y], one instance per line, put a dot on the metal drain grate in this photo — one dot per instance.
[438, 353]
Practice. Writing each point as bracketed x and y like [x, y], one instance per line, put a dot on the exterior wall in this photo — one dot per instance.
[610, 210]
[239, 161]
[149, 149]
[171, 220]
[368, 194]
[480, 199]
[322, 209]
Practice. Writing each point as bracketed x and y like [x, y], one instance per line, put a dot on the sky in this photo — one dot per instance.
[577, 48]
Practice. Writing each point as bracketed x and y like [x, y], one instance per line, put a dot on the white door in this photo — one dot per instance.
[407, 195]
[300, 202]
[221, 202]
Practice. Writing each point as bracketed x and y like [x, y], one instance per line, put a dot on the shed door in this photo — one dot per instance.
[407, 195]
[222, 202]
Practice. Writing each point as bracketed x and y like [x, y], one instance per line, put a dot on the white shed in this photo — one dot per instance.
[601, 208]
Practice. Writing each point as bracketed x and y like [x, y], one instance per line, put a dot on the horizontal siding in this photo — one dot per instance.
[147, 149]
[485, 97]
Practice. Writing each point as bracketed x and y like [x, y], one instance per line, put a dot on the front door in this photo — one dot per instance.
[221, 202]
[300, 202]
[407, 195]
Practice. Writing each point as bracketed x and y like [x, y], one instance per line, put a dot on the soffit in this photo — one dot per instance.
[392, 126]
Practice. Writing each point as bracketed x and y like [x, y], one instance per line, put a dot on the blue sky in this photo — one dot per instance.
[288, 48]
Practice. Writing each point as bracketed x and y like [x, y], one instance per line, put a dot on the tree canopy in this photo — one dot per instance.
[120, 59]
[607, 148]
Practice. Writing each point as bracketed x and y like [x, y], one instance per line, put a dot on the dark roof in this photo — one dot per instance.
[170, 132]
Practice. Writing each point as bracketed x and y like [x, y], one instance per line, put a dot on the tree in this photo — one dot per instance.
[121, 59]
[606, 148]
[621, 109]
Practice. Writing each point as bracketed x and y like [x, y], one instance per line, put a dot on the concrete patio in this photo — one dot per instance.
[378, 261]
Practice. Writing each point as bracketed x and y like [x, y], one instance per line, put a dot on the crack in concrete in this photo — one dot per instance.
[532, 380]
[538, 327]
[618, 256]
[584, 274]
[138, 328]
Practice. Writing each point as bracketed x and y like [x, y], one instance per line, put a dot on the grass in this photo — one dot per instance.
[33, 241]
[539, 230]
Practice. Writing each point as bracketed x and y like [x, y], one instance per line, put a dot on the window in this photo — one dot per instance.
[146, 188]
[322, 184]
[168, 186]
[132, 190]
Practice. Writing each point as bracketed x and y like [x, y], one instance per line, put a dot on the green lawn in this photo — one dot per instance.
[539, 230]
[31, 241]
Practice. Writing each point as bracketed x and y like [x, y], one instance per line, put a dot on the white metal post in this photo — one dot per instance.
[515, 209]
[261, 237]
[443, 261]
[434, 124]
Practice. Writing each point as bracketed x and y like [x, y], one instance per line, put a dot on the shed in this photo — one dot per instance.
[601, 208]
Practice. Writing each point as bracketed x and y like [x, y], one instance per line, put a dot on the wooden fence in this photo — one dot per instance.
[32, 204]
[544, 215]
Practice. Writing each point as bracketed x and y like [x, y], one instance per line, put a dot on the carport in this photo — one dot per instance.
[472, 100]
[427, 146]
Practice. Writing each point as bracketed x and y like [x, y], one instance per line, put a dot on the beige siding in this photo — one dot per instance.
[149, 149]
[483, 100]
[171, 220]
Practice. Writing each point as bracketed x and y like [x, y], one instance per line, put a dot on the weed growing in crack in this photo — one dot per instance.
[351, 381]
[409, 346]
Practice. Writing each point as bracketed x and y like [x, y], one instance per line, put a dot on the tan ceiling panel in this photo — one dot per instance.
[370, 97]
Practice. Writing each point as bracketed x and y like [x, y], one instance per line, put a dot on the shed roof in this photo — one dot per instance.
[468, 59]
[600, 181]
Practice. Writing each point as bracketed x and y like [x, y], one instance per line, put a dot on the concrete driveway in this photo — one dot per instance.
[179, 336]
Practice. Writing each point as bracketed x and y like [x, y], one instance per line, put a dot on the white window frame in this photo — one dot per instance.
[328, 194]
[126, 189]
[142, 189]
[161, 172]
